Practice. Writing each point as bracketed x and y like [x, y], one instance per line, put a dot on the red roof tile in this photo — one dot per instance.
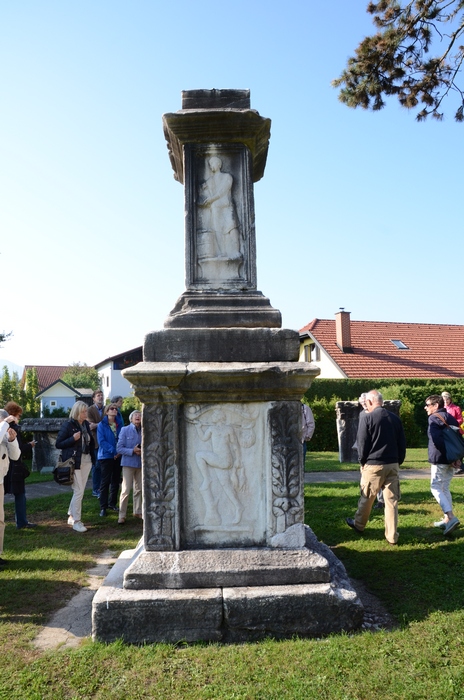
[46, 374]
[434, 350]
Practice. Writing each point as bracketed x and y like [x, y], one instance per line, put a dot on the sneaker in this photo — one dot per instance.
[459, 472]
[451, 525]
[70, 520]
[121, 521]
[79, 527]
[440, 523]
[96, 494]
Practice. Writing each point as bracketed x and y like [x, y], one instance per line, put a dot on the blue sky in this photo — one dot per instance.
[355, 210]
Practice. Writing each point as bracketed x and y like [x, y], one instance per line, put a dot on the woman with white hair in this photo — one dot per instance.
[130, 447]
[75, 440]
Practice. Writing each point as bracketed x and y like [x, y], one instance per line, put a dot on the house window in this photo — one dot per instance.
[107, 381]
[312, 353]
[52, 404]
[400, 345]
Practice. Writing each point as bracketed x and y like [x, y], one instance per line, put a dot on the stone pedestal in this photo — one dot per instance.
[45, 430]
[225, 553]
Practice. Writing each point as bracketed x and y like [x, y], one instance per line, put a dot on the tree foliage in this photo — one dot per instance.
[396, 61]
[3, 337]
[81, 376]
[11, 390]
[30, 404]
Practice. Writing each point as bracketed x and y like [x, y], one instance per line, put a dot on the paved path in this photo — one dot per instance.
[43, 489]
[329, 477]
[50, 488]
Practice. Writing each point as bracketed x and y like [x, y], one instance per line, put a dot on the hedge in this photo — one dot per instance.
[324, 393]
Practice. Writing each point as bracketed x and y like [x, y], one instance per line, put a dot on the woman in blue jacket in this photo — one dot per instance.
[129, 446]
[110, 461]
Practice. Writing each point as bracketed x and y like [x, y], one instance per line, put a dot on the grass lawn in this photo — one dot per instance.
[420, 582]
[416, 458]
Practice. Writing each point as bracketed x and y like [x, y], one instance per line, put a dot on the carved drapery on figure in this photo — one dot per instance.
[224, 501]
[287, 500]
[219, 217]
[160, 476]
[218, 229]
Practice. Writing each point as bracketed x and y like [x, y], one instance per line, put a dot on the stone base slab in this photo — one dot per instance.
[227, 614]
[225, 567]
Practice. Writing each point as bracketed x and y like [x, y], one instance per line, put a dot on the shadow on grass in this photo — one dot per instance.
[423, 574]
[47, 565]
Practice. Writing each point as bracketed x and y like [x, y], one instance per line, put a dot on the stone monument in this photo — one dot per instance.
[225, 554]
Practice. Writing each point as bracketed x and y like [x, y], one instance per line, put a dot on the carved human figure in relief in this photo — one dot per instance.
[218, 226]
[220, 465]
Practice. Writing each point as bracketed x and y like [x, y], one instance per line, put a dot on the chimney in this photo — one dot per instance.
[343, 330]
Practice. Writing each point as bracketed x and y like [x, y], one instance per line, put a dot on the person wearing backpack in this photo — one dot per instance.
[441, 470]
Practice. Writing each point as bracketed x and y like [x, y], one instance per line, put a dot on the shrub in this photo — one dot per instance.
[321, 396]
[129, 404]
[325, 435]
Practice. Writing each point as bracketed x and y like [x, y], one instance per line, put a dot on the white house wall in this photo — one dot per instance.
[329, 369]
[112, 382]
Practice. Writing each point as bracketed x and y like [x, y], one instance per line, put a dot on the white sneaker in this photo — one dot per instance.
[70, 520]
[440, 523]
[79, 527]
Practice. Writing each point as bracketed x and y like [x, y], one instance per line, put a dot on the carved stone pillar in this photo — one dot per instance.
[225, 553]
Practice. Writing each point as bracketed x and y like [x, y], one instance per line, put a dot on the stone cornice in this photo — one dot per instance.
[217, 126]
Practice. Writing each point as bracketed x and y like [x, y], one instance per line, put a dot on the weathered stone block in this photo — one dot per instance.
[307, 610]
[233, 614]
[148, 616]
[222, 345]
[225, 567]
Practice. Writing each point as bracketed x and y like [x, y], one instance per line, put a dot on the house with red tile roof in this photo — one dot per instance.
[343, 348]
[46, 374]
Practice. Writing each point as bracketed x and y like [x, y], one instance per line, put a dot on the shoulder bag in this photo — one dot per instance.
[454, 444]
[63, 473]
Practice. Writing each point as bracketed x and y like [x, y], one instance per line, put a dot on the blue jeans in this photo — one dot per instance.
[20, 510]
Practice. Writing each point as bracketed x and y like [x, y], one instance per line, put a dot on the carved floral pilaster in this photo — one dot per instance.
[287, 482]
[160, 476]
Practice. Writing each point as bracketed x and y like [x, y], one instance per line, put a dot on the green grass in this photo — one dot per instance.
[416, 458]
[420, 582]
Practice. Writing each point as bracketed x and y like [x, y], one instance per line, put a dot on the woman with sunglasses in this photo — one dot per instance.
[110, 461]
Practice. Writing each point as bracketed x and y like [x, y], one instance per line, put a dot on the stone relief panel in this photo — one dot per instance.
[160, 477]
[220, 218]
[218, 230]
[287, 468]
[224, 481]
